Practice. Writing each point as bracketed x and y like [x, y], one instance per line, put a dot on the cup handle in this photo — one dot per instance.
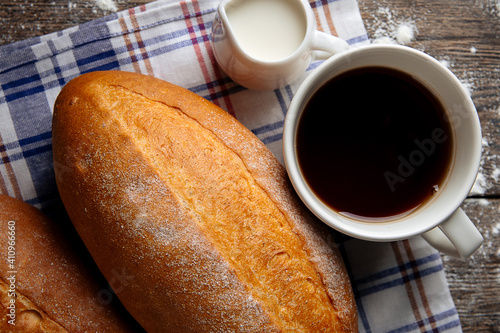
[325, 45]
[457, 236]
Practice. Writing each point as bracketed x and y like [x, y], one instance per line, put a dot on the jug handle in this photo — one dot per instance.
[325, 45]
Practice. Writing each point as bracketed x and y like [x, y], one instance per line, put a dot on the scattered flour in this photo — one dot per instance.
[468, 79]
[480, 186]
[496, 174]
[469, 86]
[445, 63]
[384, 40]
[494, 6]
[467, 82]
[391, 30]
[484, 202]
[495, 230]
[391, 27]
[484, 142]
[405, 33]
[490, 6]
[107, 5]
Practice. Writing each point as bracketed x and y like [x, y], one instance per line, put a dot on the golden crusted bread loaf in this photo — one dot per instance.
[45, 286]
[167, 187]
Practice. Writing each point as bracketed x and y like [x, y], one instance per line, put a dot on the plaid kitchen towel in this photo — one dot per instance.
[399, 287]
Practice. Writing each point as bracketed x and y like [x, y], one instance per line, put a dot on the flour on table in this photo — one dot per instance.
[493, 6]
[484, 142]
[392, 30]
[496, 174]
[405, 33]
[108, 5]
[483, 202]
[467, 79]
[495, 230]
[384, 40]
[480, 186]
[485, 182]
[445, 63]
[469, 86]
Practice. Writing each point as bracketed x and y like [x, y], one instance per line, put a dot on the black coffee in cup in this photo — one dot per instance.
[374, 143]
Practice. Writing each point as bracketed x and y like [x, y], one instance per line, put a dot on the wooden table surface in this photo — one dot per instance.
[463, 34]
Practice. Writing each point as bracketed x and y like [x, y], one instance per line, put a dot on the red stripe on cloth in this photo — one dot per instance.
[10, 174]
[329, 20]
[328, 14]
[138, 38]
[420, 285]
[408, 286]
[215, 66]
[128, 44]
[319, 26]
[200, 57]
[3, 187]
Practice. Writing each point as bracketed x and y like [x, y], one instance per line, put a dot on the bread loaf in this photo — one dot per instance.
[45, 286]
[167, 187]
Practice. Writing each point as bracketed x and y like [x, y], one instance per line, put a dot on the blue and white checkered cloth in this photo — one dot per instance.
[399, 287]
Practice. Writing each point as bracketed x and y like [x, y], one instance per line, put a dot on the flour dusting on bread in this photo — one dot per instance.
[179, 192]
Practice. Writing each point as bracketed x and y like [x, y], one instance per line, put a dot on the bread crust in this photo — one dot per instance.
[169, 188]
[51, 288]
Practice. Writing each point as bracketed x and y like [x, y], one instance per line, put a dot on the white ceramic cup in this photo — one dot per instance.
[260, 73]
[440, 220]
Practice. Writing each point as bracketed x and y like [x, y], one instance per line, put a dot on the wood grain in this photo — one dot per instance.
[464, 34]
[21, 19]
[474, 283]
